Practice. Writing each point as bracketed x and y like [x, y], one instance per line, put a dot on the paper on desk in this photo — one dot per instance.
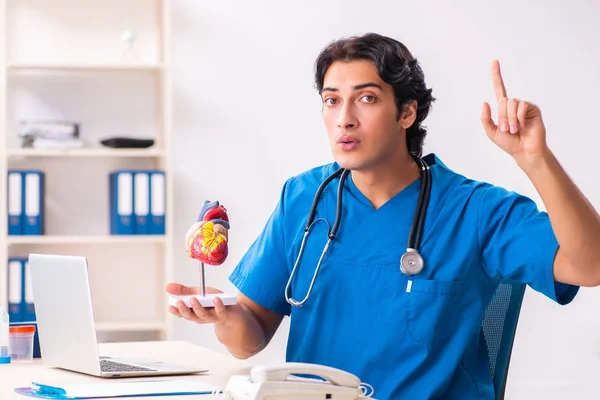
[121, 389]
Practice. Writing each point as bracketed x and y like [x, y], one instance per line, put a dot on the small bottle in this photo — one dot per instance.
[4, 337]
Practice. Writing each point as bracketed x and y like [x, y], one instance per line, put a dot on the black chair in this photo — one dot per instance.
[499, 325]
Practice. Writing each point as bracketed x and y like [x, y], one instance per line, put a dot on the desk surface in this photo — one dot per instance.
[220, 366]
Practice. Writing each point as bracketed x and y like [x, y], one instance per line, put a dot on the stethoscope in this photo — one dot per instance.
[411, 262]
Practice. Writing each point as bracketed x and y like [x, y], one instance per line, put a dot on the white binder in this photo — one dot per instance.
[15, 291]
[157, 203]
[141, 197]
[15, 203]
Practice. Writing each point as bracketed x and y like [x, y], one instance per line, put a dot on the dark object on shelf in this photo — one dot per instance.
[129, 143]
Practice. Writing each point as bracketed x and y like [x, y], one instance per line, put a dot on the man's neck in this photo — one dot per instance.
[381, 183]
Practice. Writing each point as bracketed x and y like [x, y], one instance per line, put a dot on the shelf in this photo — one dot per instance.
[131, 94]
[99, 152]
[129, 326]
[100, 239]
[84, 67]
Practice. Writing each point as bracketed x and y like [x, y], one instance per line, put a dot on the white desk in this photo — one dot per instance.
[220, 366]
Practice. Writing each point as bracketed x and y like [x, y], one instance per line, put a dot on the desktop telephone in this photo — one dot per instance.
[279, 382]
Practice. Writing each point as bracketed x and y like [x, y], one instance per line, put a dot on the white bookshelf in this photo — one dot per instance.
[68, 69]
[83, 239]
[26, 152]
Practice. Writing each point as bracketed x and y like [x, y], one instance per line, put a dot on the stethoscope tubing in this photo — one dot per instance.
[411, 262]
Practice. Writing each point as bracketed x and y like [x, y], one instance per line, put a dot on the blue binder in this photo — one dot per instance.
[122, 221]
[16, 288]
[33, 202]
[157, 202]
[14, 200]
[141, 203]
[28, 303]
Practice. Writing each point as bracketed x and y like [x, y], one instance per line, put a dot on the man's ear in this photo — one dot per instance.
[409, 114]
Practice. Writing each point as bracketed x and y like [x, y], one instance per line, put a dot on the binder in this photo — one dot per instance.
[21, 309]
[122, 220]
[15, 290]
[141, 203]
[14, 192]
[33, 205]
[28, 303]
[157, 202]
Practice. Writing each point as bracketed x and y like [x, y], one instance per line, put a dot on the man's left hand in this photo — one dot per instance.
[520, 130]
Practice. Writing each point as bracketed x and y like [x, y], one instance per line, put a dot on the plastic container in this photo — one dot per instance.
[4, 342]
[21, 342]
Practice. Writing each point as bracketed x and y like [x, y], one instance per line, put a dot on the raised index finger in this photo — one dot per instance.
[499, 88]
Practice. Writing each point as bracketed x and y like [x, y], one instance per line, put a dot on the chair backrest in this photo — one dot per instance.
[499, 325]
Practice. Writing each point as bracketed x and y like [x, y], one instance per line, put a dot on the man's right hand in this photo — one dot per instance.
[227, 316]
[245, 328]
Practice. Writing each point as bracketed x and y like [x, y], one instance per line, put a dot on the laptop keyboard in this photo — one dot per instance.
[113, 366]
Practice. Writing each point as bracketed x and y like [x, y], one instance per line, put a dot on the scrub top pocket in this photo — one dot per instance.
[433, 309]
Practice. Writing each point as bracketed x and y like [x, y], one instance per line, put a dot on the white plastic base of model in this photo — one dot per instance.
[228, 299]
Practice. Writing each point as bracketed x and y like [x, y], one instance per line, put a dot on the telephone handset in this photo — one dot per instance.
[281, 382]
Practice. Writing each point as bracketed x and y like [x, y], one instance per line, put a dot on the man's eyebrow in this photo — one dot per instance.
[366, 85]
[328, 89]
[357, 87]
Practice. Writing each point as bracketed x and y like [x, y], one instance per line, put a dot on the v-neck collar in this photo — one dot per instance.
[409, 190]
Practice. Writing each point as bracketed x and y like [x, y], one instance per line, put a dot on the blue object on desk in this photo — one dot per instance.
[125, 389]
[5, 360]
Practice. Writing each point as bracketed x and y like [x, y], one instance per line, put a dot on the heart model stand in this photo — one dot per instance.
[209, 245]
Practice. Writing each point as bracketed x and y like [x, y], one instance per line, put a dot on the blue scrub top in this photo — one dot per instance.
[423, 343]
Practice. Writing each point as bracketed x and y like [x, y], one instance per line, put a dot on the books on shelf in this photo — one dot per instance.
[42, 143]
[49, 129]
[137, 202]
[25, 196]
[21, 305]
[49, 134]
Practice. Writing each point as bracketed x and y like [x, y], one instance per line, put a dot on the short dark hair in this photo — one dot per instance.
[396, 66]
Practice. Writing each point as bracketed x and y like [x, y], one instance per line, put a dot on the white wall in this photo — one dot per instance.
[243, 74]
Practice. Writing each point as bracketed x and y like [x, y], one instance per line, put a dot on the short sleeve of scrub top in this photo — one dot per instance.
[262, 273]
[518, 242]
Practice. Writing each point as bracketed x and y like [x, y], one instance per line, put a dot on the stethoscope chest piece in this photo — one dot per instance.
[411, 262]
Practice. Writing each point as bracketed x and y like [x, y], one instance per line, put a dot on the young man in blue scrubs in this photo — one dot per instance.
[417, 336]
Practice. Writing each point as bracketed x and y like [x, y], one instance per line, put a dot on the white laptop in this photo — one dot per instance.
[65, 320]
